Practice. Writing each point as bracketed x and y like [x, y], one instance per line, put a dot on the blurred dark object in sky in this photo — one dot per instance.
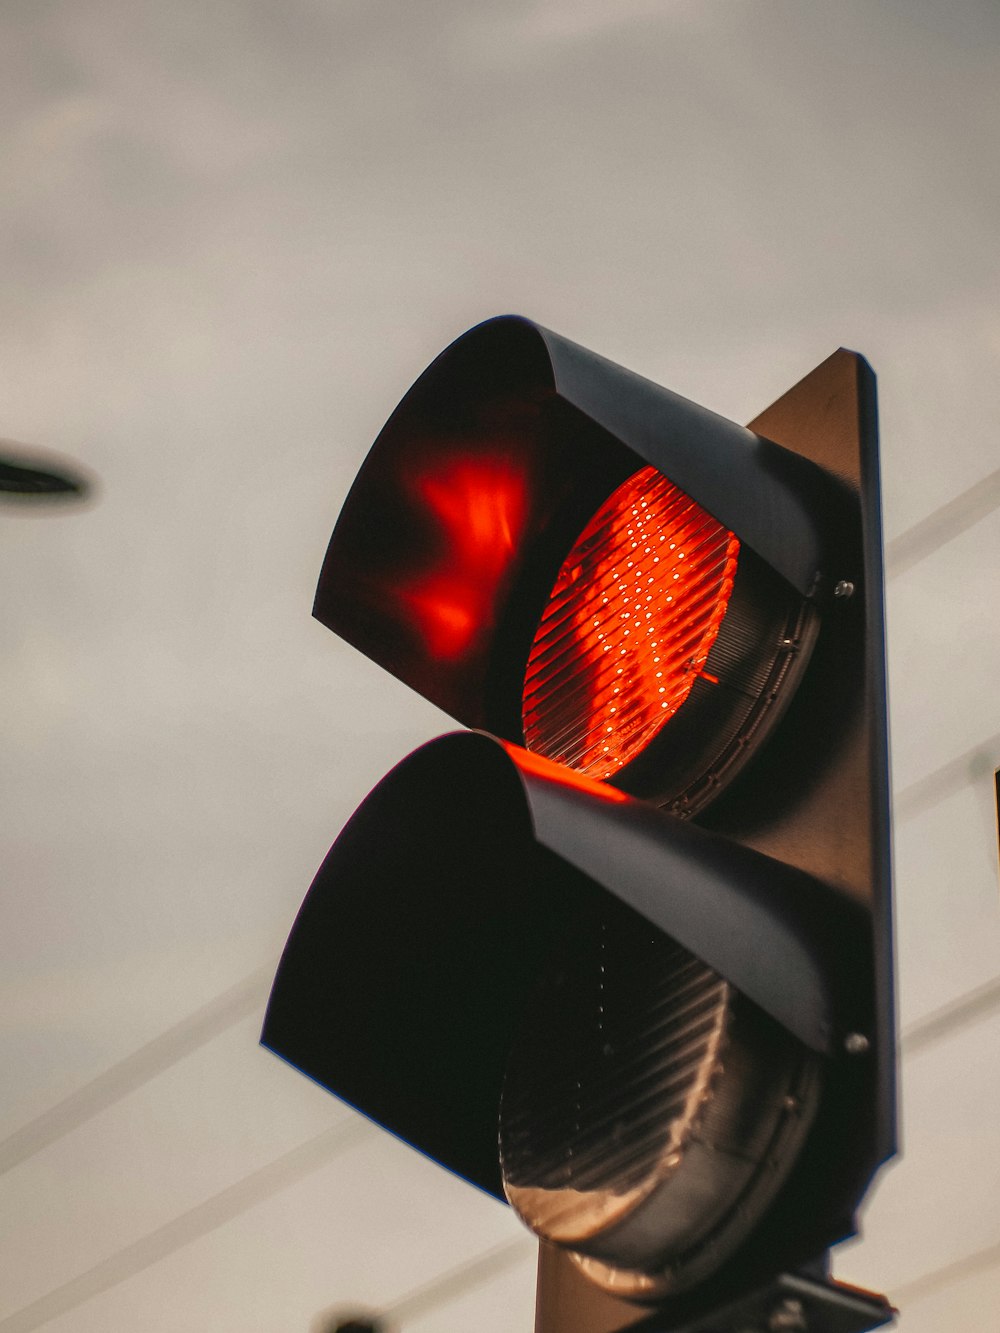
[351, 1321]
[30, 476]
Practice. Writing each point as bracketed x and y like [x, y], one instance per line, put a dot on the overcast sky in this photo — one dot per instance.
[231, 234]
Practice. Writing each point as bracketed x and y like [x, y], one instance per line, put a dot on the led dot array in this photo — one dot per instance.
[628, 627]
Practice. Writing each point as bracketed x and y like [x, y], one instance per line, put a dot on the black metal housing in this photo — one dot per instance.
[405, 974]
[799, 486]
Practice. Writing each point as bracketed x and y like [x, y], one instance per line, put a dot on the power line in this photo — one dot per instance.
[189, 1226]
[221, 1013]
[942, 525]
[921, 1287]
[970, 1008]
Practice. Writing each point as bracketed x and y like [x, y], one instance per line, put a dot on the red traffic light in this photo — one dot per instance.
[464, 523]
[628, 628]
[677, 1019]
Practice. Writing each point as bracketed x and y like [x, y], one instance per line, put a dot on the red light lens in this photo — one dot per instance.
[628, 627]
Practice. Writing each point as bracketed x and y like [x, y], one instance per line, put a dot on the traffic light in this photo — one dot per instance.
[621, 953]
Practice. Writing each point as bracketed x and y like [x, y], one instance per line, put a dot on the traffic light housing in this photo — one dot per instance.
[682, 620]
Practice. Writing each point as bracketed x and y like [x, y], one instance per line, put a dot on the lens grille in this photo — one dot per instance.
[629, 624]
[603, 1087]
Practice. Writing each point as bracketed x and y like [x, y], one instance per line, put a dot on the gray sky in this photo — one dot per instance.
[232, 234]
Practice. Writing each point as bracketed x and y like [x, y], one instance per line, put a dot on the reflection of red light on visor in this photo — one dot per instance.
[628, 627]
[534, 763]
[478, 506]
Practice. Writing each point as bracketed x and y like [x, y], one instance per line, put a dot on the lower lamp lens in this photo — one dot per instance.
[650, 1111]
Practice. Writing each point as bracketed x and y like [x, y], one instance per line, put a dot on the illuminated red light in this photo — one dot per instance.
[478, 506]
[628, 627]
